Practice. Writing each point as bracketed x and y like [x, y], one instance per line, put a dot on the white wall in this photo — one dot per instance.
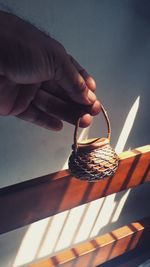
[112, 40]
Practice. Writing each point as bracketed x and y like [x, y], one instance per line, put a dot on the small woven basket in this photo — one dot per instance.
[93, 159]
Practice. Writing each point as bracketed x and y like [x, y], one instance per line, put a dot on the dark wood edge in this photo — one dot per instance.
[103, 248]
[27, 202]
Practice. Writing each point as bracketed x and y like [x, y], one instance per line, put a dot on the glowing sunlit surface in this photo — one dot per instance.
[120, 206]
[30, 242]
[127, 126]
[50, 235]
[53, 234]
[90, 218]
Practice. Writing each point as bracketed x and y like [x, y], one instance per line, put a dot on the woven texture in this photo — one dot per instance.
[94, 165]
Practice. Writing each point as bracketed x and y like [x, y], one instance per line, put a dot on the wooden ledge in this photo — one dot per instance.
[102, 248]
[27, 202]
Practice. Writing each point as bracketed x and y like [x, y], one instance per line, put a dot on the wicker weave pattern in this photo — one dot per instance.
[93, 160]
[94, 165]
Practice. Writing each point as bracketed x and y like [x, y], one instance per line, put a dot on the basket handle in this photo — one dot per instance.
[75, 146]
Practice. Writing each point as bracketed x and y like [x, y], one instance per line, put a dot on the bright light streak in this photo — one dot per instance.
[127, 126]
[93, 211]
[120, 206]
[84, 134]
[53, 234]
[30, 242]
[105, 214]
[70, 228]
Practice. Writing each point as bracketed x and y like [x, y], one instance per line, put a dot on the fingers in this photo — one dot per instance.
[54, 106]
[40, 118]
[69, 78]
[94, 109]
[88, 79]
[54, 89]
[48, 112]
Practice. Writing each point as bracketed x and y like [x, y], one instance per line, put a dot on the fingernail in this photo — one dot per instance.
[91, 83]
[95, 108]
[91, 96]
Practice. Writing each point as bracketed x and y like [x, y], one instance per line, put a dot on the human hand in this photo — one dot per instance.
[39, 81]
